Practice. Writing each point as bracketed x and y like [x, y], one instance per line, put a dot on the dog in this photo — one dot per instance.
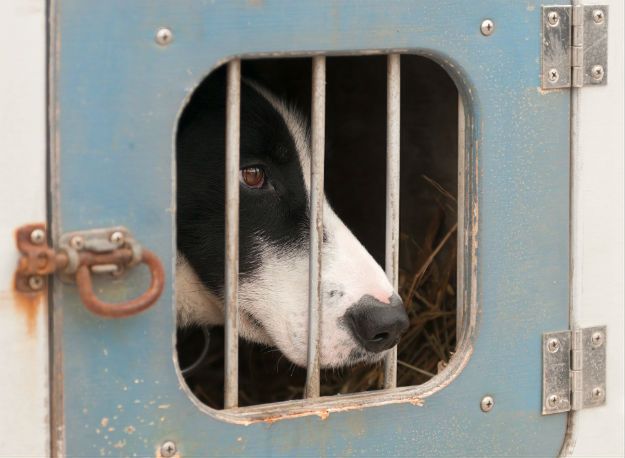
[361, 315]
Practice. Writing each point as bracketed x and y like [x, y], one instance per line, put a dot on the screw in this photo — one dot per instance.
[117, 238]
[35, 282]
[597, 72]
[77, 242]
[597, 392]
[553, 18]
[38, 236]
[597, 339]
[598, 17]
[168, 449]
[487, 403]
[552, 401]
[553, 345]
[553, 75]
[164, 36]
[488, 27]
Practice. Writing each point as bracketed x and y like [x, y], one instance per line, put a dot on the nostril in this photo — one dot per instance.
[380, 337]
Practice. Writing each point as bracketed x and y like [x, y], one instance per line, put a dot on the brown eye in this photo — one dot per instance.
[253, 177]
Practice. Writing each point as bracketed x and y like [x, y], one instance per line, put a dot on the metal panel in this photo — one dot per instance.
[597, 238]
[117, 96]
[25, 381]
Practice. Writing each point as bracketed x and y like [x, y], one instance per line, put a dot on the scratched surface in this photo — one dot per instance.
[117, 96]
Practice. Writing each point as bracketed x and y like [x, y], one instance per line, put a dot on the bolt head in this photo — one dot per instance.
[597, 392]
[77, 242]
[552, 401]
[38, 236]
[164, 36]
[168, 449]
[35, 282]
[553, 75]
[488, 27]
[553, 345]
[487, 403]
[553, 18]
[597, 72]
[117, 238]
[598, 16]
[597, 339]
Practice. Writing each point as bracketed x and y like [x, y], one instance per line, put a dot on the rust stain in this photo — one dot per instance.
[324, 413]
[28, 304]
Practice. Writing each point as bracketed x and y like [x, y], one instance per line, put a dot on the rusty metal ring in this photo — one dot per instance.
[128, 308]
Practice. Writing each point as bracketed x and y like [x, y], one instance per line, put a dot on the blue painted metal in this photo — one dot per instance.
[118, 95]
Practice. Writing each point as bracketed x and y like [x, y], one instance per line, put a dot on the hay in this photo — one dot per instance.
[427, 285]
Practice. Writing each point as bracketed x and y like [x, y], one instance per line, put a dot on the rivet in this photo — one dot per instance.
[597, 339]
[597, 392]
[597, 72]
[553, 345]
[168, 449]
[552, 401]
[487, 403]
[553, 75]
[553, 18]
[38, 236]
[117, 238]
[488, 27]
[598, 16]
[35, 282]
[164, 36]
[77, 242]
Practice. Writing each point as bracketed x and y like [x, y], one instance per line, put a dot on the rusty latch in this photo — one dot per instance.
[80, 254]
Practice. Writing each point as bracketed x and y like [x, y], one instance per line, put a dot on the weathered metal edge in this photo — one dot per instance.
[323, 406]
[57, 417]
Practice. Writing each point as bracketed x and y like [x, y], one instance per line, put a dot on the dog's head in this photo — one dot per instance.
[361, 314]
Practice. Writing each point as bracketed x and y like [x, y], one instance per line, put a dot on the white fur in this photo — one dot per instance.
[277, 295]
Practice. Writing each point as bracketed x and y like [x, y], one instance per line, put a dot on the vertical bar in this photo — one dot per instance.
[231, 293]
[392, 196]
[461, 299]
[316, 223]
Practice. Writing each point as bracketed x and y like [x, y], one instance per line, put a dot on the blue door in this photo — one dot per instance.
[116, 96]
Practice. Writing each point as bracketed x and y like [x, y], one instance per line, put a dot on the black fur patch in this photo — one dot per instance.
[277, 213]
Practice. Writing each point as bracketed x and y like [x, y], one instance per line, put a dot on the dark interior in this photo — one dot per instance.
[355, 186]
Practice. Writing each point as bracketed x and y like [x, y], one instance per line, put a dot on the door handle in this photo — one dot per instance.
[81, 254]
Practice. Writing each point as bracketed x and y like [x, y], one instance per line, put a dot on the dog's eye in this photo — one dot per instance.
[253, 177]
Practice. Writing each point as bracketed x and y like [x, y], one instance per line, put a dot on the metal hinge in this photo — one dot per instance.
[575, 46]
[574, 369]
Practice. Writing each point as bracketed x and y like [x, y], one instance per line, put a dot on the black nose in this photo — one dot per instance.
[375, 325]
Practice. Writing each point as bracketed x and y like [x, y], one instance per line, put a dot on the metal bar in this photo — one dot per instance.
[316, 224]
[461, 299]
[231, 293]
[393, 83]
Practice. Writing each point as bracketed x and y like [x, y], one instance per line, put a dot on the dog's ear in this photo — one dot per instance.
[211, 92]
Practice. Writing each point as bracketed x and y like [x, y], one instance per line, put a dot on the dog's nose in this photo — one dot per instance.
[375, 325]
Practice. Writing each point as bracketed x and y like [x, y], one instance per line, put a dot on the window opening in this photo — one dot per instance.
[374, 108]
